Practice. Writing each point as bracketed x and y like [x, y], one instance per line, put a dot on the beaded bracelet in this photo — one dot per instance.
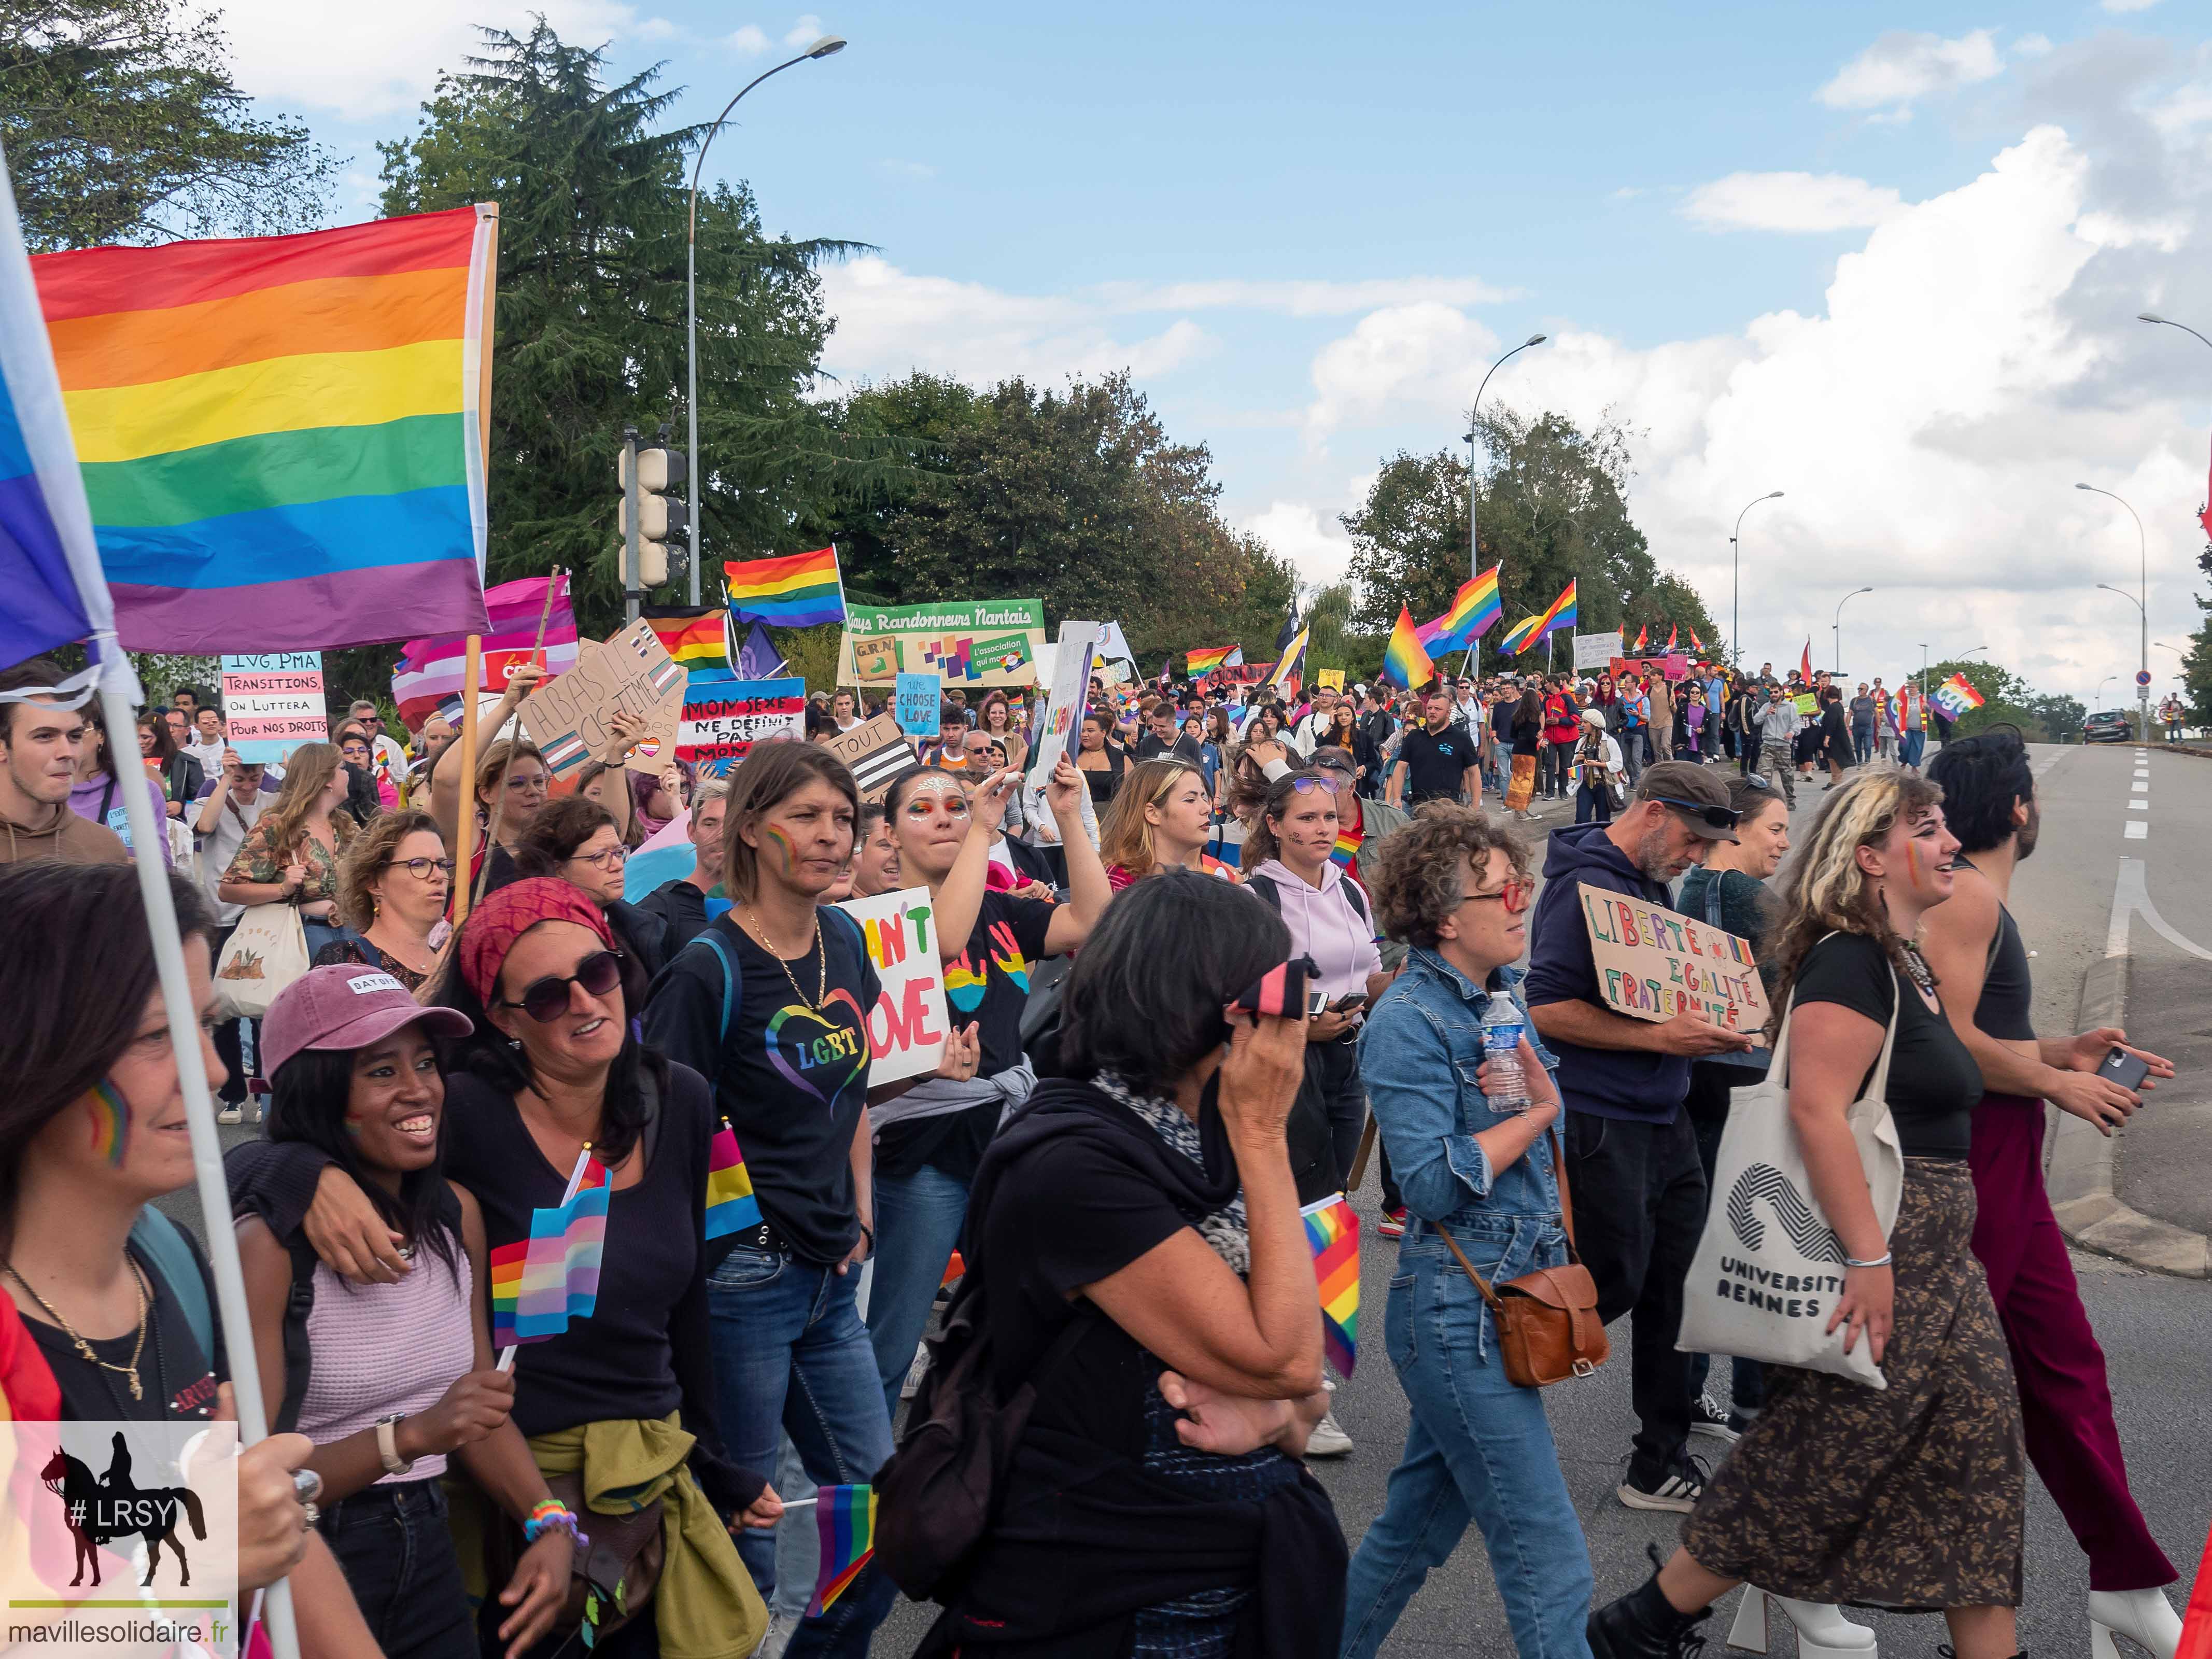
[551, 1513]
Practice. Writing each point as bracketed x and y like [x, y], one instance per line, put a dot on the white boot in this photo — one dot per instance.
[1823, 1633]
[2144, 1616]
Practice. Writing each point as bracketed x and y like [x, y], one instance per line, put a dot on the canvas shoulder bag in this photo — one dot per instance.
[266, 952]
[1547, 1325]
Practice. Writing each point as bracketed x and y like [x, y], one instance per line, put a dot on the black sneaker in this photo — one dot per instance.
[1709, 1416]
[1676, 1487]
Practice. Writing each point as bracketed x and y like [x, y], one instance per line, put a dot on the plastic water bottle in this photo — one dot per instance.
[1507, 1088]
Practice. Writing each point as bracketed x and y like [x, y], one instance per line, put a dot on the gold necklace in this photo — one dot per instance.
[84, 1348]
[821, 960]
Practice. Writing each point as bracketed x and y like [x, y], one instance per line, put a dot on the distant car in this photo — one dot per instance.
[2108, 725]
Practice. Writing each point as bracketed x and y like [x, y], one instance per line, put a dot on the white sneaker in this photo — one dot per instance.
[1327, 1439]
[916, 1372]
[231, 1115]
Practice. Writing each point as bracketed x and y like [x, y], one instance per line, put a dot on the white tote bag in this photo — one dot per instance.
[266, 953]
[1769, 1268]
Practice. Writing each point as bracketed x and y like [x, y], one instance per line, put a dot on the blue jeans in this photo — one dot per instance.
[918, 1218]
[1909, 748]
[1479, 1449]
[791, 1354]
[398, 1555]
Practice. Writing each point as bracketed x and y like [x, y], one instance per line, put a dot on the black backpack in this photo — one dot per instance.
[1272, 896]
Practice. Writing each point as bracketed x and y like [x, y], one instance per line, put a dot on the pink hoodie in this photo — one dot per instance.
[1324, 926]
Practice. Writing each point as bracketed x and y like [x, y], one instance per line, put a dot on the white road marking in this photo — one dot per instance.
[2138, 806]
[2137, 830]
[2130, 894]
[2139, 788]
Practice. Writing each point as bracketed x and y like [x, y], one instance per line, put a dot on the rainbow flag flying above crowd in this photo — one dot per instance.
[846, 1518]
[694, 636]
[731, 1205]
[1469, 616]
[1520, 634]
[430, 671]
[281, 437]
[796, 590]
[1957, 695]
[1197, 663]
[540, 1283]
[1405, 663]
[1561, 615]
[1332, 1233]
[1643, 639]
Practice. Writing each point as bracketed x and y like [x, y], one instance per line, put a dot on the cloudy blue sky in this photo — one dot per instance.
[1887, 260]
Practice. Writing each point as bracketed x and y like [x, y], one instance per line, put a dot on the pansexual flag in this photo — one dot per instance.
[846, 1517]
[283, 436]
[430, 671]
[1957, 695]
[696, 638]
[795, 591]
[1469, 616]
[540, 1283]
[1196, 662]
[1332, 1233]
[1522, 634]
[731, 1206]
[1404, 662]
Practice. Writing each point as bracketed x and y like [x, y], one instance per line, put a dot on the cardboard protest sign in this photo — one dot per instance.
[982, 642]
[1673, 666]
[916, 702]
[1597, 650]
[1806, 703]
[1058, 728]
[906, 1028]
[1653, 962]
[723, 717]
[273, 702]
[1331, 677]
[568, 716]
[876, 751]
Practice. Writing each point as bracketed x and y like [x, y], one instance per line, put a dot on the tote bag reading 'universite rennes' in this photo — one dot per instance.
[1769, 1267]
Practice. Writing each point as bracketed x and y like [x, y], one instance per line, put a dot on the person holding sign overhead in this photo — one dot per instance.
[512, 782]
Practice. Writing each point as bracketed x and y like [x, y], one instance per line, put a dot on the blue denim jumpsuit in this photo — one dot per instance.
[1480, 1447]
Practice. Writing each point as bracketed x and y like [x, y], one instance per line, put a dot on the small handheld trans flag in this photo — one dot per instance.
[540, 1283]
[1332, 1233]
[731, 1206]
[846, 1517]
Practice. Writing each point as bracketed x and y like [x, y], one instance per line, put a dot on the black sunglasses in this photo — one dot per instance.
[546, 999]
[1720, 817]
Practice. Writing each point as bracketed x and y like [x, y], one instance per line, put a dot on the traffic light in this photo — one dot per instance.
[661, 517]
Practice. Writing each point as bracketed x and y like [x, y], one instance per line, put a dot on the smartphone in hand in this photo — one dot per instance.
[2125, 1069]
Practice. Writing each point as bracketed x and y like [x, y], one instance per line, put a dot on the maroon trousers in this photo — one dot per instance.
[2066, 1407]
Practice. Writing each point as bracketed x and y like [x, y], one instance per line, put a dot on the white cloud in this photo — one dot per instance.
[2127, 5]
[1903, 66]
[1791, 201]
[804, 33]
[1299, 299]
[2032, 45]
[1312, 541]
[751, 40]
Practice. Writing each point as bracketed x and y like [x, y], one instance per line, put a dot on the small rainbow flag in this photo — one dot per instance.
[731, 1205]
[1561, 615]
[695, 639]
[1196, 662]
[1520, 634]
[540, 1283]
[1673, 634]
[796, 590]
[847, 1516]
[1332, 1233]
[1957, 695]
[1404, 662]
[1697, 644]
[1469, 616]
[1345, 854]
[1643, 639]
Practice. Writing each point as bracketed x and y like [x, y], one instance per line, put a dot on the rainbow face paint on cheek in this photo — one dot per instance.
[784, 848]
[111, 1122]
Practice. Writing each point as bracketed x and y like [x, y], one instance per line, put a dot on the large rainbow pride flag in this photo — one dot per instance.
[1404, 661]
[795, 590]
[282, 437]
[1469, 616]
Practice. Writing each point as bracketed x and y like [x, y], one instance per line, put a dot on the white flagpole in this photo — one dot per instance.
[575, 1179]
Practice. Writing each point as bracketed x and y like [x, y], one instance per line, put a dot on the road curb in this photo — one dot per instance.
[2078, 1171]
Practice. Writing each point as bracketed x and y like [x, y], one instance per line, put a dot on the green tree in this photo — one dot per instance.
[592, 197]
[2197, 666]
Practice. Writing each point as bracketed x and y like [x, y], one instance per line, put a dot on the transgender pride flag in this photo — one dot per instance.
[540, 1283]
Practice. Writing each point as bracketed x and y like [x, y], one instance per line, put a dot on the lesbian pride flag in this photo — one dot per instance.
[1332, 1233]
[540, 1283]
[1404, 662]
[846, 1517]
[282, 437]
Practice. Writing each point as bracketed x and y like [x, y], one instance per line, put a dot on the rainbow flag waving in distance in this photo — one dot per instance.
[1673, 636]
[281, 437]
[1642, 638]
[1404, 662]
[1957, 695]
[1196, 662]
[1522, 634]
[1332, 1233]
[540, 1283]
[731, 1205]
[796, 590]
[1561, 615]
[1697, 644]
[847, 1516]
[1468, 617]
[697, 639]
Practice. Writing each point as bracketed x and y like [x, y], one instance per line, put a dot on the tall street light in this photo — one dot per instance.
[2168, 322]
[2141, 604]
[1473, 550]
[828, 45]
[2101, 684]
[1840, 603]
[1735, 601]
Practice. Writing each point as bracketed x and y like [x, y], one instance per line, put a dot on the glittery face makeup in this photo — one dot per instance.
[111, 1121]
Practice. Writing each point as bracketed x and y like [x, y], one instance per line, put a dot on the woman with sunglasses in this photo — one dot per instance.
[1162, 817]
[622, 1398]
[392, 885]
[1484, 1175]
[576, 841]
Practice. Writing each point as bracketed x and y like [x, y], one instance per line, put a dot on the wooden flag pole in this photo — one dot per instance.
[515, 725]
[466, 819]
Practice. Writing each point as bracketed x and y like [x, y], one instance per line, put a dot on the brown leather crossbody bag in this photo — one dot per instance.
[1547, 1324]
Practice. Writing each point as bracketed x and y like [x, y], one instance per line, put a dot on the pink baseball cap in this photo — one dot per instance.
[348, 1005]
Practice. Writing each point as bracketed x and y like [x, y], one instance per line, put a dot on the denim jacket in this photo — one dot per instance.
[1417, 1056]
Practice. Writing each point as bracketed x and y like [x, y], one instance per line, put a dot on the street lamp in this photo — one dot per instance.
[1735, 599]
[1840, 603]
[2143, 604]
[829, 45]
[2168, 322]
[1473, 550]
[2101, 684]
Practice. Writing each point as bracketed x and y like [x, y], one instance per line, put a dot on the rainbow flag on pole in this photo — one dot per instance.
[796, 590]
[847, 1516]
[1404, 662]
[1468, 617]
[1196, 662]
[1522, 634]
[1332, 1233]
[540, 1283]
[694, 638]
[1957, 695]
[282, 437]
[1562, 615]
[731, 1205]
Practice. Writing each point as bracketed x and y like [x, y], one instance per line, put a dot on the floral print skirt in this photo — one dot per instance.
[1910, 1498]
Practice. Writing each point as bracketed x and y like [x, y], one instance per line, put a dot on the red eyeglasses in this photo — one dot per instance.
[1513, 895]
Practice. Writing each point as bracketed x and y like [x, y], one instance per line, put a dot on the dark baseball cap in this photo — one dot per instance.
[1695, 793]
[346, 1006]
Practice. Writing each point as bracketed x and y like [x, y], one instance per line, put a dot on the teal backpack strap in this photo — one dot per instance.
[732, 981]
[160, 1241]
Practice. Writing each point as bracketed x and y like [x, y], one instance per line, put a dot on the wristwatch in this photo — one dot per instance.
[387, 1445]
